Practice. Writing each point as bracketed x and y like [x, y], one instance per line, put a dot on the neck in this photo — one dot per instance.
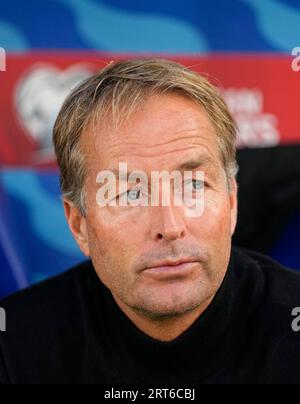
[163, 329]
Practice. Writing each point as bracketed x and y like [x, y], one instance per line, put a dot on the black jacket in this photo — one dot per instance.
[70, 330]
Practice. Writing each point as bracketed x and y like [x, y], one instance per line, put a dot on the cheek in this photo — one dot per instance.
[116, 236]
[215, 223]
[112, 251]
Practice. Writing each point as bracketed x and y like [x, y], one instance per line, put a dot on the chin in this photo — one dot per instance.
[163, 312]
[170, 303]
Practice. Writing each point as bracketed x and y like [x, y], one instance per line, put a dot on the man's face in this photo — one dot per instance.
[168, 131]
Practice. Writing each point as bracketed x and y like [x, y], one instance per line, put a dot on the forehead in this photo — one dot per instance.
[162, 130]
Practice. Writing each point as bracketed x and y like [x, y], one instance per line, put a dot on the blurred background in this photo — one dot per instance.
[245, 47]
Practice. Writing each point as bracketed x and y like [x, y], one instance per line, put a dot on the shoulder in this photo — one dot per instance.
[270, 292]
[277, 281]
[44, 326]
[276, 296]
[42, 298]
[47, 308]
[271, 311]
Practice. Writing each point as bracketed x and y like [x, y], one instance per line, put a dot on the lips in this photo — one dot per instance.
[167, 270]
[168, 263]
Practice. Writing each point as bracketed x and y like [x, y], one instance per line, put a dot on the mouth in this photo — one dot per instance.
[167, 270]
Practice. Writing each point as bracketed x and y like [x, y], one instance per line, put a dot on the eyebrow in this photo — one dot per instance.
[197, 162]
[203, 160]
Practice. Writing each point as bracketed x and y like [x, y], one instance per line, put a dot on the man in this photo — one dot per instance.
[165, 298]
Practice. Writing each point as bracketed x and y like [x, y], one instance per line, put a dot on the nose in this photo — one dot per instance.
[169, 224]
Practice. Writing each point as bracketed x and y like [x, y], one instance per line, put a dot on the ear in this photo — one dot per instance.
[78, 226]
[233, 194]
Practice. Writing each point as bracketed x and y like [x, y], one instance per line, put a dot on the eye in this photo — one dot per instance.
[134, 194]
[193, 188]
[198, 185]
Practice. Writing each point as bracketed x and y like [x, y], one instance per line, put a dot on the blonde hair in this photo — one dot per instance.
[114, 94]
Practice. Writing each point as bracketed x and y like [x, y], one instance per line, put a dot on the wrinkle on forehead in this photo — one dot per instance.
[164, 126]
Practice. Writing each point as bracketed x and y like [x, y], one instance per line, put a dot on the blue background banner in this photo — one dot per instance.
[35, 242]
[147, 26]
